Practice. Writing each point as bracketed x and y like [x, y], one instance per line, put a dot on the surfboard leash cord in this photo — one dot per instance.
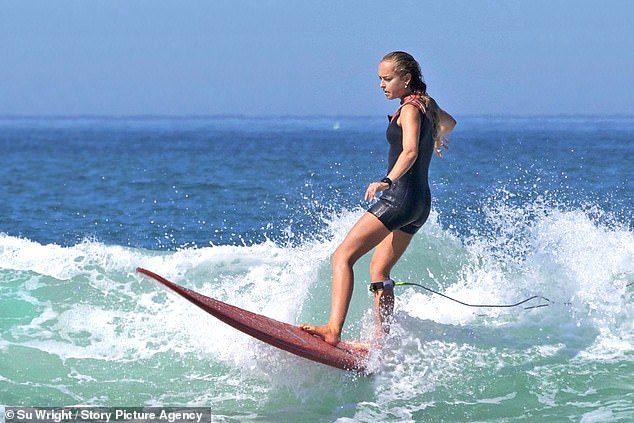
[379, 285]
[534, 297]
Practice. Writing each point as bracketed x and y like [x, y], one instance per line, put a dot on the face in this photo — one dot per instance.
[392, 84]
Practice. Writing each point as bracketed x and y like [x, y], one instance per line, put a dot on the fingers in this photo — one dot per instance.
[373, 189]
[441, 143]
[370, 193]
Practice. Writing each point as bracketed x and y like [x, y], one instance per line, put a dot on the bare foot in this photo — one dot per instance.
[325, 332]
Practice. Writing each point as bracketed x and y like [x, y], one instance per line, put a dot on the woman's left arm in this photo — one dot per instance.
[446, 122]
[409, 120]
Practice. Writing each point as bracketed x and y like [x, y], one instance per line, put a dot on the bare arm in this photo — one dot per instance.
[409, 121]
[446, 123]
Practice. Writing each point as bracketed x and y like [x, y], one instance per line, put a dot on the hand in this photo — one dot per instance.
[441, 142]
[374, 188]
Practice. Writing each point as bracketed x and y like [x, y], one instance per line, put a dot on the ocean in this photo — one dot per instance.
[249, 210]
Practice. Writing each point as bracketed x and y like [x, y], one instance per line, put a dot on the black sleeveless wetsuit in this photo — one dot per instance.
[406, 205]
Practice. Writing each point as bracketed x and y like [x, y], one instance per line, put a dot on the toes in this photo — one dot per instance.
[307, 328]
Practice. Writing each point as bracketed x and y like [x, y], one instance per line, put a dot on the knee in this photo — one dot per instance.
[341, 260]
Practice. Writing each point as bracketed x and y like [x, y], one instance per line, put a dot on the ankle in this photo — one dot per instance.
[334, 328]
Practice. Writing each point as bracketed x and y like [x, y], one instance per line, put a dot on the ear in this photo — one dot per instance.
[408, 78]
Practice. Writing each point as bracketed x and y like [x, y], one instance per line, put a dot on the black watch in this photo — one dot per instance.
[388, 181]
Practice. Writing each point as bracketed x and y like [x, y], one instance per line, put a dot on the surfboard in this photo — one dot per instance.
[281, 335]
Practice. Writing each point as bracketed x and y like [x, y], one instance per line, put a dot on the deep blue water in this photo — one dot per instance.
[166, 183]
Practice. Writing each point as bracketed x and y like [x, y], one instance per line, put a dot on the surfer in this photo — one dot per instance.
[415, 131]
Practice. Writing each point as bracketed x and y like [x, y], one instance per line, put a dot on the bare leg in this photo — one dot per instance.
[385, 256]
[367, 233]
[383, 309]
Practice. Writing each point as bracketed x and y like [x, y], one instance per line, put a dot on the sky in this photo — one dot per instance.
[307, 58]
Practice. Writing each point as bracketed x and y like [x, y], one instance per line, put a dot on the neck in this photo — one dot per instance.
[410, 94]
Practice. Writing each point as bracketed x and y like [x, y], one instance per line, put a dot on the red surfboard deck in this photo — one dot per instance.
[279, 334]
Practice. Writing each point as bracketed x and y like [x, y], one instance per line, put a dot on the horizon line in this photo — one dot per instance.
[303, 116]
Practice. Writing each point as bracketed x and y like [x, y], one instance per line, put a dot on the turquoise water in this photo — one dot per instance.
[249, 211]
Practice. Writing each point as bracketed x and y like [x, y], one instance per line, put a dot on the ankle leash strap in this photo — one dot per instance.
[377, 286]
